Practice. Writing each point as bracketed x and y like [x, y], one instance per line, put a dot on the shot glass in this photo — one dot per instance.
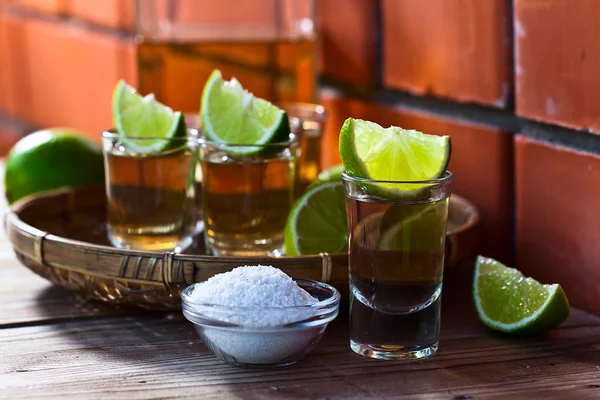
[308, 123]
[246, 198]
[150, 191]
[397, 233]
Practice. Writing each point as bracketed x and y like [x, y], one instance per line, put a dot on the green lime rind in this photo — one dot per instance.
[508, 302]
[50, 159]
[151, 123]
[317, 223]
[232, 115]
[372, 152]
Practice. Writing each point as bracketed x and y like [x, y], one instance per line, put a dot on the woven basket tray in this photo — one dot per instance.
[61, 236]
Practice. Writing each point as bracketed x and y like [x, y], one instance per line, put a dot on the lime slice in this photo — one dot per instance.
[508, 302]
[145, 118]
[392, 154]
[230, 114]
[331, 174]
[317, 222]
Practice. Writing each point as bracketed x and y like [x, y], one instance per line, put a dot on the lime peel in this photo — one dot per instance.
[506, 286]
[50, 159]
[151, 123]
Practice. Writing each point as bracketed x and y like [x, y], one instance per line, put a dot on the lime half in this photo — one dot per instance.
[317, 222]
[232, 115]
[392, 154]
[145, 119]
[508, 302]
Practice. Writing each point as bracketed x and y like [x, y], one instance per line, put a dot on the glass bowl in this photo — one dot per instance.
[263, 336]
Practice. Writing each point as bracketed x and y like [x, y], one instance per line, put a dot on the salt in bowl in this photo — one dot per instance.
[268, 336]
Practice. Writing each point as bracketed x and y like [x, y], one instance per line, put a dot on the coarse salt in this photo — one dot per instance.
[252, 286]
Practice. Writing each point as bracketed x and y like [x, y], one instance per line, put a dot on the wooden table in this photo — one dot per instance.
[55, 344]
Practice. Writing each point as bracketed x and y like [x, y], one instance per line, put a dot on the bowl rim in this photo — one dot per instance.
[331, 302]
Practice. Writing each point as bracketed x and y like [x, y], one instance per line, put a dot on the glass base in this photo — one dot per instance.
[393, 352]
[244, 248]
[149, 243]
[245, 253]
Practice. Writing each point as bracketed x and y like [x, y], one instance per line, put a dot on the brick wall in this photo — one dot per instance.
[515, 83]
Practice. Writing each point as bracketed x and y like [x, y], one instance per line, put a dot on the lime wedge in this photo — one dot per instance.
[145, 118]
[230, 114]
[392, 154]
[317, 222]
[508, 302]
[331, 174]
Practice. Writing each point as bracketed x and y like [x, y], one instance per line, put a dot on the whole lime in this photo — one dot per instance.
[50, 159]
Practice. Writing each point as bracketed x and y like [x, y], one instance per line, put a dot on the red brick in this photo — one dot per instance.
[48, 6]
[558, 217]
[347, 34]
[557, 61]
[481, 162]
[458, 49]
[257, 13]
[66, 74]
[113, 13]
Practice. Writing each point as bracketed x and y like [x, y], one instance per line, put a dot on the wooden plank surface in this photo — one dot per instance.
[26, 298]
[160, 355]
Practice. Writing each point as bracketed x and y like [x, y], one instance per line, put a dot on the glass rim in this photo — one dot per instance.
[112, 134]
[448, 176]
[318, 112]
[202, 141]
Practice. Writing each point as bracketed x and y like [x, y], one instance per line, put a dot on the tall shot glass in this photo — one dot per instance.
[150, 191]
[397, 233]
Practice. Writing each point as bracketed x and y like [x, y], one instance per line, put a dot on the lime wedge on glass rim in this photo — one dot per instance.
[508, 302]
[317, 222]
[392, 154]
[232, 115]
[151, 123]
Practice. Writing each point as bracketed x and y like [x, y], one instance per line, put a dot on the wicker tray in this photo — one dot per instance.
[61, 236]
